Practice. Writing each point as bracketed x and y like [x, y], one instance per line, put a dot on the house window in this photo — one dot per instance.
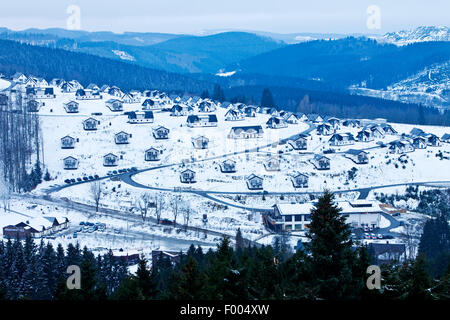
[298, 217]
[288, 218]
[288, 227]
[298, 227]
[307, 217]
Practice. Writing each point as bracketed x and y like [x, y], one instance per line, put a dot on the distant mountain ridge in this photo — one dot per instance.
[173, 53]
[420, 34]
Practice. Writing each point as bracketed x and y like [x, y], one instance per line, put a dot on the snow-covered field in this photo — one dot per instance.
[178, 153]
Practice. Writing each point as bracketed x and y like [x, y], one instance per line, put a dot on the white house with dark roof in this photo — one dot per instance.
[341, 139]
[86, 94]
[357, 156]
[90, 124]
[276, 122]
[234, 115]
[70, 163]
[246, 132]
[161, 132]
[365, 136]
[122, 137]
[325, 129]
[181, 110]
[321, 162]
[272, 164]
[68, 142]
[209, 120]
[254, 182]
[187, 176]
[152, 154]
[300, 143]
[131, 98]
[228, 166]
[114, 105]
[299, 180]
[207, 106]
[420, 142]
[140, 117]
[400, 146]
[200, 142]
[446, 138]
[110, 160]
[71, 107]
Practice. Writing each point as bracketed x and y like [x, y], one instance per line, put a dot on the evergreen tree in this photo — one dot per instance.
[434, 244]
[420, 281]
[205, 94]
[146, 280]
[187, 284]
[239, 240]
[332, 255]
[129, 289]
[218, 93]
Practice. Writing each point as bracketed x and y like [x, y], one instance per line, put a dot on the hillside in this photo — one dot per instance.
[347, 61]
[56, 63]
[182, 54]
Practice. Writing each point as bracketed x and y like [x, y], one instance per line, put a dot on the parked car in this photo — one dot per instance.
[75, 235]
[380, 236]
[374, 237]
[165, 221]
[82, 223]
[366, 236]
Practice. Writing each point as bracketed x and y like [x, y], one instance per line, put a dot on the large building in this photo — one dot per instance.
[293, 217]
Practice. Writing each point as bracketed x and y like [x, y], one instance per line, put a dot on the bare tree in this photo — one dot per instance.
[411, 237]
[96, 193]
[186, 217]
[144, 203]
[5, 190]
[174, 203]
[160, 202]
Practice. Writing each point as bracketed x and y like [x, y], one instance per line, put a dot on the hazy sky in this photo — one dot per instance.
[195, 16]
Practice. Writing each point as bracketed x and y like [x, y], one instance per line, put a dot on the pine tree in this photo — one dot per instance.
[188, 283]
[205, 94]
[145, 280]
[434, 244]
[420, 281]
[239, 240]
[332, 256]
[218, 93]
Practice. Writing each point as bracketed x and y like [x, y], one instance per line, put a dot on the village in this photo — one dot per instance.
[225, 166]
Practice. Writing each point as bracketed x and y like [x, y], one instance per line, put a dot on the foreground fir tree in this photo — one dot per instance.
[188, 284]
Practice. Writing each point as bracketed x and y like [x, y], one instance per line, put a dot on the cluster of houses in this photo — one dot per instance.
[416, 139]
[35, 228]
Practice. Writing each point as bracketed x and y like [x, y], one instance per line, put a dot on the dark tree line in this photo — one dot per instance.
[329, 267]
[56, 63]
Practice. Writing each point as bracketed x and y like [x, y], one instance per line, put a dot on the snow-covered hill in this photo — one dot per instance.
[420, 34]
[430, 87]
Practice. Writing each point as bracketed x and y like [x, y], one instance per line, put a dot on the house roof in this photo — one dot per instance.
[247, 128]
[446, 136]
[110, 155]
[355, 152]
[253, 176]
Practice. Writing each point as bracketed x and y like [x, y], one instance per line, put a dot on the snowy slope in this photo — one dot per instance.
[420, 34]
